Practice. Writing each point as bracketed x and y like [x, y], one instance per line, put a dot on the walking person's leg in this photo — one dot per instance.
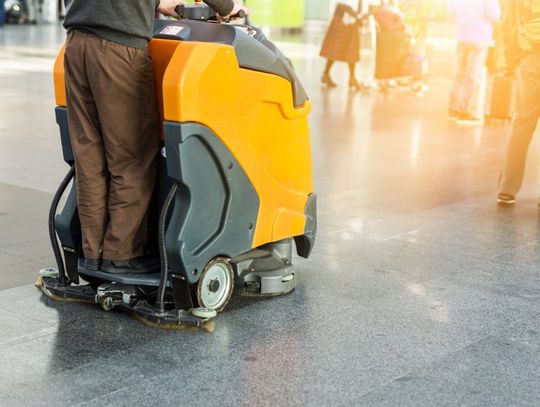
[471, 81]
[523, 127]
[33, 9]
[455, 106]
[326, 79]
[353, 82]
[61, 9]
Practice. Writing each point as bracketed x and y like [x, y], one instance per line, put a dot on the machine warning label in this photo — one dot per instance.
[171, 30]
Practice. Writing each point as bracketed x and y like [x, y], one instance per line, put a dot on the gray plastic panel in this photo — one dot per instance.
[311, 214]
[261, 271]
[305, 242]
[68, 226]
[67, 222]
[62, 121]
[216, 207]
[259, 54]
[200, 31]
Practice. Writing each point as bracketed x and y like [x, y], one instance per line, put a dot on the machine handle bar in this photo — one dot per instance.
[241, 14]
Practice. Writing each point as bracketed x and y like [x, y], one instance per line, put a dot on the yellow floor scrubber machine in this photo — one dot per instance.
[235, 185]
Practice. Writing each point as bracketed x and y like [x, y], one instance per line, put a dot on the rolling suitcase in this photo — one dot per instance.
[501, 97]
[392, 49]
[413, 66]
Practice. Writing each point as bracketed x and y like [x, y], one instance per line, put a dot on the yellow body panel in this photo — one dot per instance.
[251, 112]
[162, 52]
[254, 116]
[59, 81]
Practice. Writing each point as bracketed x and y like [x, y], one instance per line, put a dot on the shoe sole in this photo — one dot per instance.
[505, 203]
[470, 122]
[92, 267]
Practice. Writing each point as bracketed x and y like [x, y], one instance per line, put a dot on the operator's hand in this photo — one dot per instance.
[167, 7]
[236, 9]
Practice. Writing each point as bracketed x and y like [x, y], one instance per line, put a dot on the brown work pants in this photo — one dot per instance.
[114, 130]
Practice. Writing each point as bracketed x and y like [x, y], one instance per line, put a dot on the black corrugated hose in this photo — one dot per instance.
[62, 279]
[163, 248]
[161, 236]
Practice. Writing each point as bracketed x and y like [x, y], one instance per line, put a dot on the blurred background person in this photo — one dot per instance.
[342, 43]
[2, 14]
[393, 43]
[521, 28]
[389, 17]
[61, 9]
[474, 21]
[33, 10]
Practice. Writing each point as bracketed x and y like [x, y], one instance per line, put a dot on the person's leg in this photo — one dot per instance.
[87, 144]
[328, 66]
[326, 79]
[353, 82]
[523, 126]
[476, 60]
[125, 98]
[61, 9]
[32, 8]
[455, 105]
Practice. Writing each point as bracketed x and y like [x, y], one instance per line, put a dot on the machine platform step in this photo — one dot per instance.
[150, 279]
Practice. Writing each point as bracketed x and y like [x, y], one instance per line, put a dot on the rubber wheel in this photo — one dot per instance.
[107, 303]
[286, 279]
[204, 313]
[216, 285]
[50, 272]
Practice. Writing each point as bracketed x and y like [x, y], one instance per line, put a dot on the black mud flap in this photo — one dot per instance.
[305, 242]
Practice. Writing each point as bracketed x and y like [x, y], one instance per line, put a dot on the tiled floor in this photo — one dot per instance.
[421, 291]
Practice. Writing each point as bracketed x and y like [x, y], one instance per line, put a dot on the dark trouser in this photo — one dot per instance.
[114, 129]
[523, 125]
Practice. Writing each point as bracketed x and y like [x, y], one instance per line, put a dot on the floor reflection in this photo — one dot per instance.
[418, 280]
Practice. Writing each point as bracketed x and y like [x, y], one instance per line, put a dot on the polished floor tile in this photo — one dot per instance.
[420, 291]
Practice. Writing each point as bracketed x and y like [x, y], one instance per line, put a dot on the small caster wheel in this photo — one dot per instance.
[286, 279]
[204, 313]
[216, 284]
[49, 272]
[107, 303]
